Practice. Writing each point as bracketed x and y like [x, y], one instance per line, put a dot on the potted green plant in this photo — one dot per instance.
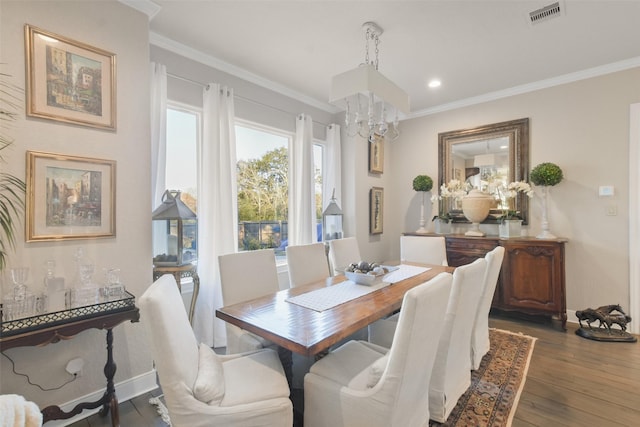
[546, 175]
[422, 183]
[12, 188]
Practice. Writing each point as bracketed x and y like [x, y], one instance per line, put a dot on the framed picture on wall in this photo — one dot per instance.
[376, 208]
[376, 154]
[70, 197]
[69, 81]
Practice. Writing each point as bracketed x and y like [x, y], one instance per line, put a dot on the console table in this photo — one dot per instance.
[52, 327]
[532, 277]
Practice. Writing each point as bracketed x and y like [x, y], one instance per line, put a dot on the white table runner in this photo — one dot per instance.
[332, 296]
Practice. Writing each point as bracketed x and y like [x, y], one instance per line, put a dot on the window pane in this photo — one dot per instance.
[263, 188]
[182, 142]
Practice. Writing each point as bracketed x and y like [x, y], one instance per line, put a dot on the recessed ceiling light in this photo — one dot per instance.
[434, 83]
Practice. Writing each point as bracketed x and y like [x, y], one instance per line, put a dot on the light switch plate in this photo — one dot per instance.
[606, 190]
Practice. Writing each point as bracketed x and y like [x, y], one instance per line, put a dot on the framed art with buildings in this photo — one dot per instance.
[69, 197]
[376, 154]
[376, 208]
[69, 81]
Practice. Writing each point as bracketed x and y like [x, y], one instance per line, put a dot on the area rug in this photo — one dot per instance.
[492, 399]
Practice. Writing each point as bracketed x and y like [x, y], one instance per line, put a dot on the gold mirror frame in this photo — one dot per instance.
[517, 132]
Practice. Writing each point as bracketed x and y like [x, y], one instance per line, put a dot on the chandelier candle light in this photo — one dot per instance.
[369, 97]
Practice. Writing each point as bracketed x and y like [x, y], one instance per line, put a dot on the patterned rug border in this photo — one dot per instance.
[496, 386]
[525, 372]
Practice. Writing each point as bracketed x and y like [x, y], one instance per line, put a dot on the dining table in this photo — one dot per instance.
[289, 318]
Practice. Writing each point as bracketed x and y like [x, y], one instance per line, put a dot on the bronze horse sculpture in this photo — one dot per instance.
[606, 317]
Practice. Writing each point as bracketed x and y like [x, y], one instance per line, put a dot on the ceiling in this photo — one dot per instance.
[479, 49]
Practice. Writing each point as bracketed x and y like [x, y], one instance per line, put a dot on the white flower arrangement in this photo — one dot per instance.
[454, 189]
[510, 192]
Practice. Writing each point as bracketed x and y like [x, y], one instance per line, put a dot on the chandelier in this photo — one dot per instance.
[372, 101]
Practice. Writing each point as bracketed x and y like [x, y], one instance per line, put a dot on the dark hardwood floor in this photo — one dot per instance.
[571, 381]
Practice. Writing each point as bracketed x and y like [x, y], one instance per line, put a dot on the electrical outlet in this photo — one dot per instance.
[74, 367]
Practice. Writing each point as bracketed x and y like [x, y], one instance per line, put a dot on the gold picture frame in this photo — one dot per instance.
[376, 209]
[69, 197]
[376, 154]
[69, 81]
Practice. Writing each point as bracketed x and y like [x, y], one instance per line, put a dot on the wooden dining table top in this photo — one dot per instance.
[309, 332]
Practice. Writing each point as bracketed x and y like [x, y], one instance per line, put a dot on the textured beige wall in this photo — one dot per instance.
[581, 126]
[119, 29]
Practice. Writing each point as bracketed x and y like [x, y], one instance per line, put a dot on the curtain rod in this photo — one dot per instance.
[197, 83]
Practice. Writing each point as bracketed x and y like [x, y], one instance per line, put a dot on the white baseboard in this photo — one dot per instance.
[125, 390]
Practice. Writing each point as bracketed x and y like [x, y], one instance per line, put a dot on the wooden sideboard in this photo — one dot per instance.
[532, 277]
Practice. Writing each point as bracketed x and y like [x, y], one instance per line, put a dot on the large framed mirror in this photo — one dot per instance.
[486, 156]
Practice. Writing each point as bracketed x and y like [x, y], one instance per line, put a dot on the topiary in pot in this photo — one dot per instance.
[547, 174]
[422, 183]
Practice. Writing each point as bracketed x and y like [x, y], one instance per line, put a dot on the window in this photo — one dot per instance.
[263, 182]
[263, 187]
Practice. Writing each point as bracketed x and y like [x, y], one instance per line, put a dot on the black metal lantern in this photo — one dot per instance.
[175, 232]
[332, 220]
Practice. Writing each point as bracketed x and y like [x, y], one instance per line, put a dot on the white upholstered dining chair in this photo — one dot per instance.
[452, 369]
[343, 252]
[361, 384]
[424, 249]
[307, 264]
[480, 335]
[201, 388]
[244, 276]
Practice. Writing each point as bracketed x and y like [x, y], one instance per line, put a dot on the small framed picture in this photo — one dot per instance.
[70, 197]
[69, 81]
[376, 154]
[376, 208]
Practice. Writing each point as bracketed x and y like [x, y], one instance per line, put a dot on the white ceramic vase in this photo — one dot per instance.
[475, 207]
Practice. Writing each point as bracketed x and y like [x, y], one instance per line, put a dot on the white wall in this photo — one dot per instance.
[116, 28]
[584, 128]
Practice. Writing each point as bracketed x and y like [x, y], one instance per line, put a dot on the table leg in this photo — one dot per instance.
[109, 400]
[286, 359]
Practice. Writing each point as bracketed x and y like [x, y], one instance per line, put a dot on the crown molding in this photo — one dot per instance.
[147, 7]
[531, 87]
[190, 53]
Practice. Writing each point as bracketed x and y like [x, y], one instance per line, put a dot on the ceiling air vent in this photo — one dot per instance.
[553, 10]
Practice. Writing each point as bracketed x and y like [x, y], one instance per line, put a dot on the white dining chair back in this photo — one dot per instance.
[480, 344]
[307, 264]
[201, 388]
[244, 276]
[343, 252]
[451, 375]
[423, 249]
[362, 384]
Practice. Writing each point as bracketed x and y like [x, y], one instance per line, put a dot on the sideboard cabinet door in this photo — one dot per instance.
[533, 279]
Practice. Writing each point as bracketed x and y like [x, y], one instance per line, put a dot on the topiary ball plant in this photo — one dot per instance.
[548, 174]
[422, 183]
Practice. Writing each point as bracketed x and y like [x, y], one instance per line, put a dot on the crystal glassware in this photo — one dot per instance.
[19, 276]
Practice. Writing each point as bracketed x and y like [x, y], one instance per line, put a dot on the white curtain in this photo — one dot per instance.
[331, 179]
[158, 147]
[302, 214]
[158, 132]
[217, 209]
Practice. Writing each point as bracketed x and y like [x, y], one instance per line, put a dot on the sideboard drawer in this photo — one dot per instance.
[465, 250]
